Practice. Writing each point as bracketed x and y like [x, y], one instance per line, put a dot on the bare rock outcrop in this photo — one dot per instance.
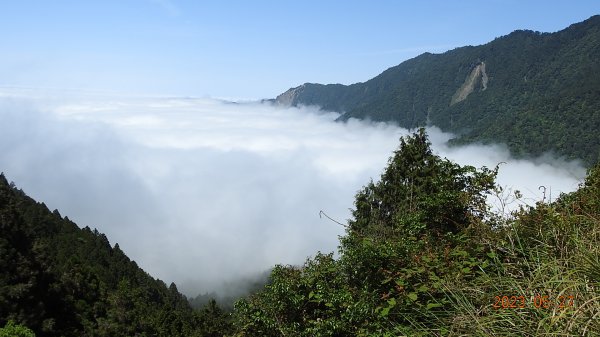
[477, 79]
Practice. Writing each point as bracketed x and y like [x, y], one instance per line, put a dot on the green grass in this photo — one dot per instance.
[558, 259]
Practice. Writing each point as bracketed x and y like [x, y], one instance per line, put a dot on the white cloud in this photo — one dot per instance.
[198, 191]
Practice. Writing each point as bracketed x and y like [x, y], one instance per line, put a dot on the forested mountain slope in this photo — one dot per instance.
[60, 280]
[533, 91]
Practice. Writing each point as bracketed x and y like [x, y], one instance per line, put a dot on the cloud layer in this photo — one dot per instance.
[200, 191]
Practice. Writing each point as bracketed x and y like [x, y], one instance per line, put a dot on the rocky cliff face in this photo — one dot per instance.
[290, 97]
[477, 79]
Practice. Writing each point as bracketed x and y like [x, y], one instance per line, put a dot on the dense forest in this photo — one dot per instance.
[535, 92]
[423, 255]
[61, 280]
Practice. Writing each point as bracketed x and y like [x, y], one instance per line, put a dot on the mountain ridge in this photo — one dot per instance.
[62, 280]
[540, 93]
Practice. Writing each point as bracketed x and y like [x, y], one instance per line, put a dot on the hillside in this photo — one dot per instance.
[535, 92]
[61, 280]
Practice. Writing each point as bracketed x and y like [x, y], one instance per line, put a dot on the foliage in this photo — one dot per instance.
[423, 256]
[420, 193]
[60, 280]
[14, 330]
[400, 244]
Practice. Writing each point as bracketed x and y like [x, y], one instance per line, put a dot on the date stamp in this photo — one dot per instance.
[538, 301]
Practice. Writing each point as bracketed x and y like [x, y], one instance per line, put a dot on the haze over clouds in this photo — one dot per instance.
[200, 191]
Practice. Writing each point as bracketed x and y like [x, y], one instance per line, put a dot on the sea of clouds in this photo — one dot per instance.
[202, 191]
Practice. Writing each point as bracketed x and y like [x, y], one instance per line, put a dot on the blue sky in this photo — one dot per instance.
[245, 49]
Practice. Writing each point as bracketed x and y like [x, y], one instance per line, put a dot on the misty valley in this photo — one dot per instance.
[455, 194]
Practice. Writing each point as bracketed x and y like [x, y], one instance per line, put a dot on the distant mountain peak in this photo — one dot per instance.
[535, 92]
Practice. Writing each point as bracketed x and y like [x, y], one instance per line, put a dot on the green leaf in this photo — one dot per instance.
[392, 302]
[412, 296]
[431, 305]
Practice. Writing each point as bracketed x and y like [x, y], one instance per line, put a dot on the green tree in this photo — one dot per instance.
[419, 208]
[420, 192]
[15, 330]
[421, 202]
